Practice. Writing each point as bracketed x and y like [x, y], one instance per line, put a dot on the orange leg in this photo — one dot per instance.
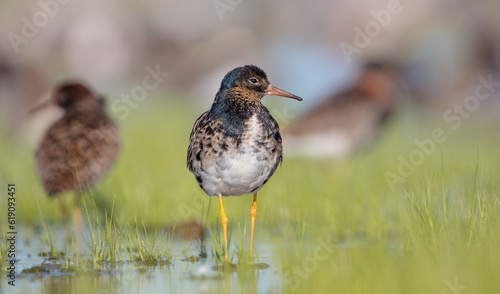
[253, 214]
[223, 219]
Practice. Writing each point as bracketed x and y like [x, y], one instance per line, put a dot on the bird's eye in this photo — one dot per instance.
[62, 98]
[253, 80]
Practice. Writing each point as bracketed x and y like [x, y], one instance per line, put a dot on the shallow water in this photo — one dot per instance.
[180, 276]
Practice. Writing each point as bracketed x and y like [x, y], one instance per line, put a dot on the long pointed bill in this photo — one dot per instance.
[273, 91]
[41, 106]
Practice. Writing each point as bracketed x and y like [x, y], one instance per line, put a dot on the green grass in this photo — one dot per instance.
[438, 227]
[3, 249]
[148, 249]
[104, 243]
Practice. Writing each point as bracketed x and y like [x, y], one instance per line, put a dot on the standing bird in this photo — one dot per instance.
[235, 147]
[79, 148]
[348, 121]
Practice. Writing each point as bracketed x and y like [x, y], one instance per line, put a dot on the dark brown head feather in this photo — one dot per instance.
[69, 94]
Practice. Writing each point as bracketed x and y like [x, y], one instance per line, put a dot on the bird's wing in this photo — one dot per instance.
[194, 140]
[274, 142]
[279, 146]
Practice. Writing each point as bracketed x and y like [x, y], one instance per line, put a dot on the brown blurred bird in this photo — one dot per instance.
[78, 149]
[347, 121]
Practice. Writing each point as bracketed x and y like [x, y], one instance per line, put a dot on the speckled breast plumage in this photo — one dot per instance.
[233, 165]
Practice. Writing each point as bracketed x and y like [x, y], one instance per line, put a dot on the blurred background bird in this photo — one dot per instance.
[235, 147]
[78, 149]
[347, 121]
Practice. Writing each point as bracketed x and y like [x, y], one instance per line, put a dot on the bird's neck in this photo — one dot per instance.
[237, 102]
[378, 86]
[87, 105]
[233, 108]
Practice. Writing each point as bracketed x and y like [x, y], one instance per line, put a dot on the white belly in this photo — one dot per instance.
[235, 175]
[242, 170]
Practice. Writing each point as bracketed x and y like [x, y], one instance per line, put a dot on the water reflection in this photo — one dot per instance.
[181, 276]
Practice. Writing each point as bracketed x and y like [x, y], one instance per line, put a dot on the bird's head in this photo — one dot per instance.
[254, 80]
[70, 95]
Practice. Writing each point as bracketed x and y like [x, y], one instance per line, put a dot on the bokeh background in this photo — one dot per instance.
[313, 49]
[443, 46]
